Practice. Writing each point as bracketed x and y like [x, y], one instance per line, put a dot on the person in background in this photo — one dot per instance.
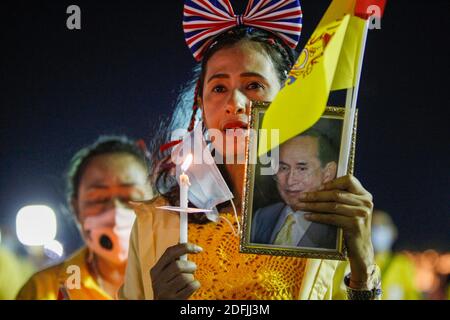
[397, 270]
[102, 179]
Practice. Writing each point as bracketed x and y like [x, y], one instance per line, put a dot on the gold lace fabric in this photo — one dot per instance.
[224, 273]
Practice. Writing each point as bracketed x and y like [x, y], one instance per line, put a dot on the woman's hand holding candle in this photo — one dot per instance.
[173, 278]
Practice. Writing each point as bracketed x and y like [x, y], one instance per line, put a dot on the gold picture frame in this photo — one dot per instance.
[265, 200]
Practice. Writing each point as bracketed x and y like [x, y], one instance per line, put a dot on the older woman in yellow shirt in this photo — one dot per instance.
[103, 178]
[63, 281]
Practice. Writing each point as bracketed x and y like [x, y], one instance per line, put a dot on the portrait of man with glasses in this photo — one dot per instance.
[305, 163]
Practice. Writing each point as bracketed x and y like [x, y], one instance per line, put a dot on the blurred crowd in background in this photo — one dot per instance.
[406, 275]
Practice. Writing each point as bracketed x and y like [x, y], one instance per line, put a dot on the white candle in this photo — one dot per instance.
[184, 190]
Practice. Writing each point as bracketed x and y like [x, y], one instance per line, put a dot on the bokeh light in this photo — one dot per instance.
[36, 225]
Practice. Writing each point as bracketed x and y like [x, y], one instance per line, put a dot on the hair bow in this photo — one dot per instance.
[205, 19]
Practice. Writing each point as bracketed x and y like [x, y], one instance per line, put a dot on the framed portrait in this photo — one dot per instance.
[272, 181]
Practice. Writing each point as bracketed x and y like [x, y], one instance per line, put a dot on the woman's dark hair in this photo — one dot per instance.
[103, 145]
[184, 114]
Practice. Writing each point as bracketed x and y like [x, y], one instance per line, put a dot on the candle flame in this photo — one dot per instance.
[187, 162]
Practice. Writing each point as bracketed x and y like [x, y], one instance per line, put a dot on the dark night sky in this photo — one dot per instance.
[60, 89]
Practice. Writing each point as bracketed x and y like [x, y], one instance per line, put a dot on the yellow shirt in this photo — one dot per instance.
[155, 230]
[73, 272]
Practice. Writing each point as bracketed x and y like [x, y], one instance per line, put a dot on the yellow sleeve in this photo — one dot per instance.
[29, 291]
[133, 289]
[41, 286]
[339, 291]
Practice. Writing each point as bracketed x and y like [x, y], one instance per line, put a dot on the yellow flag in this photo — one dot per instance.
[345, 75]
[336, 10]
[303, 99]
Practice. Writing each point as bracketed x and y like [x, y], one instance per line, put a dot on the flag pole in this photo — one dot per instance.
[350, 109]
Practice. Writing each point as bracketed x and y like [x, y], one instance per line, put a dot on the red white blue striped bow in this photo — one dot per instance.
[206, 19]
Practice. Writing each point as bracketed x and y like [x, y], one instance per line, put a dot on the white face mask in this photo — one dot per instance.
[382, 238]
[208, 188]
[108, 234]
